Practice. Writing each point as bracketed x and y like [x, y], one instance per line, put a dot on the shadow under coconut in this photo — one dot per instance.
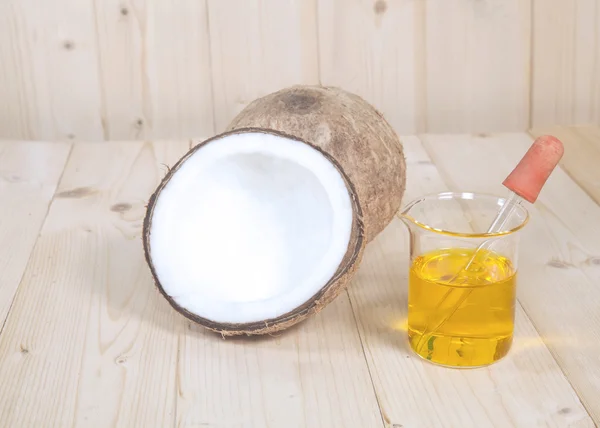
[333, 329]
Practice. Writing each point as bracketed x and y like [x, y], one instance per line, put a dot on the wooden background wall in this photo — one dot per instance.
[158, 69]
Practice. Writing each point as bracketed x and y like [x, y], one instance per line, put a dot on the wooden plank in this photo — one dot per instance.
[29, 174]
[19, 112]
[565, 62]
[376, 49]
[89, 341]
[559, 284]
[155, 65]
[477, 55]
[48, 71]
[525, 389]
[123, 32]
[257, 47]
[582, 152]
[179, 73]
[313, 375]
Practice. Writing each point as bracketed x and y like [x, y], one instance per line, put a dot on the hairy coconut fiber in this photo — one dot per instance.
[335, 136]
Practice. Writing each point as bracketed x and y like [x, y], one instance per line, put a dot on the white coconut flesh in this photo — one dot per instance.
[250, 227]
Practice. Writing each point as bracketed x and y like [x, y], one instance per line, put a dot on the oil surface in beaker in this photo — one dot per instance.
[472, 309]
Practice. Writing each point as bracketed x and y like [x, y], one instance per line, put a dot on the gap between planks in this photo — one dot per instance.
[384, 418]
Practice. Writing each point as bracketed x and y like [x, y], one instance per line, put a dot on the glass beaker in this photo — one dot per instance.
[462, 278]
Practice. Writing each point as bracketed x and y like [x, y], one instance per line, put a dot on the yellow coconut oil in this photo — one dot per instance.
[471, 312]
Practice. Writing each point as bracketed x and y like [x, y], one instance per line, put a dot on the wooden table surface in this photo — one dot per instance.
[87, 341]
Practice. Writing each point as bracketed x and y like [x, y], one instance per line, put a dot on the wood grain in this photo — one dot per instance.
[565, 86]
[257, 47]
[477, 65]
[179, 72]
[89, 341]
[155, 66]
[19, 117]
[313, 375]
[29, 174]
[49, 78]
[376, 49]
[121, 42]
[559, 277]
[525, 389]
[97, 70]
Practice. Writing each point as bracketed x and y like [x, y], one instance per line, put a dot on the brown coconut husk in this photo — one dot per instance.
[351, 130]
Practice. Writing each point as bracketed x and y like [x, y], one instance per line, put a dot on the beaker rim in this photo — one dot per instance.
[465, 196]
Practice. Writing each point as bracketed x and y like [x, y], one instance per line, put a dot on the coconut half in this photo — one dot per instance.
[252, 229]
[259, 227]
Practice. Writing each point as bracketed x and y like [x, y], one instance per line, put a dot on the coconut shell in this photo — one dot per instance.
[349, 129]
